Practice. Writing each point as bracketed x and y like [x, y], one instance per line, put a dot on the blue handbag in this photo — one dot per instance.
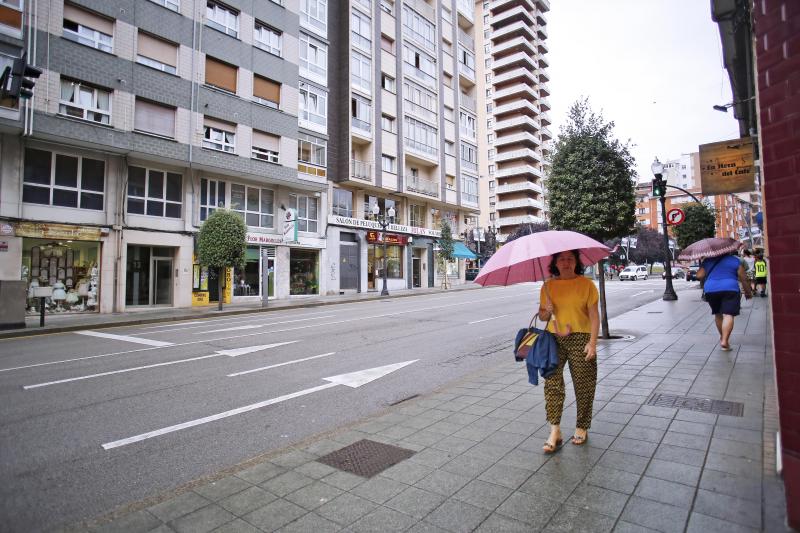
[538, 348]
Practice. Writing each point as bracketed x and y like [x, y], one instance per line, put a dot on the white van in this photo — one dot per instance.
[633, 273]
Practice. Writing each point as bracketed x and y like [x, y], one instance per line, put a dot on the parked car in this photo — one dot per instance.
[677, 273]
[633, 273]
[471, 274]
[691, 274]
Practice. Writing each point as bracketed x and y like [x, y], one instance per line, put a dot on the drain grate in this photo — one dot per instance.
[704, 405]
[366, 458]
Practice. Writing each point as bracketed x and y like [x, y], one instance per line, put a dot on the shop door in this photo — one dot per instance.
[348, 266]
[416, 271]
[162, 281]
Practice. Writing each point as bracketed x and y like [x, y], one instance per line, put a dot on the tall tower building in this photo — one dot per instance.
[514, 123]
[403, 136]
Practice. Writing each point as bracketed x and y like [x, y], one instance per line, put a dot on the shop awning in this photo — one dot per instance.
[460, 251]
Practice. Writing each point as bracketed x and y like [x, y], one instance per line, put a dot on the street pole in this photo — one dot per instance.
[385, 291]
[658, 168]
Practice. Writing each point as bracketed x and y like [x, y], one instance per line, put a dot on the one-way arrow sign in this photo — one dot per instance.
[353, 379]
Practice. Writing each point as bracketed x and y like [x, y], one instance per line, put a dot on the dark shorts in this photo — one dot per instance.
[761, 281]
[724, 302]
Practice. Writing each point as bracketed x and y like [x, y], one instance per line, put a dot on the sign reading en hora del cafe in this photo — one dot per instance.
[727, 166]
[371, 224]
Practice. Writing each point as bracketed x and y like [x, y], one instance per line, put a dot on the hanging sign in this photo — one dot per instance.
[290, 226]
[727, 166]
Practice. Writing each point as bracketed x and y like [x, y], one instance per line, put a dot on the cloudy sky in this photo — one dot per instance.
[654, 67]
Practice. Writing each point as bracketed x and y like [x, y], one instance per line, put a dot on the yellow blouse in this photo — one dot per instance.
[572, 299]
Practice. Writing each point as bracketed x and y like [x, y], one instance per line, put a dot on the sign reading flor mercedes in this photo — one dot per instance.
[370, 224]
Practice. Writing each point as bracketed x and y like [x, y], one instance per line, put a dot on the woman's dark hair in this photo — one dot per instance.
[579, 268]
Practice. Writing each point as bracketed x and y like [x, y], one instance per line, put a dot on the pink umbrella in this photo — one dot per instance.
[710, 247]
[528, 258]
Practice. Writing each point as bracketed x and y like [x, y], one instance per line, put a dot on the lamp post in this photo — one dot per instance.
[659, 188]
[384, 221]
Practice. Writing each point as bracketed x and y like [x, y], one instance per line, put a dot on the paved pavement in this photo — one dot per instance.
[478, 466]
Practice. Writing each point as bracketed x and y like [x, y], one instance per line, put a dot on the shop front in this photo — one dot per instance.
[64, 258]
[390, 265]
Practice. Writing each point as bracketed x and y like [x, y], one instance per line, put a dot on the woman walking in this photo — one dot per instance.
[721, 277]
[571, 299]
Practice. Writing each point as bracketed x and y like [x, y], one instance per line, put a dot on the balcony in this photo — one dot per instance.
[361, 170]
[422, 185]
[466, 40]
[519, 59]
[418, 75]
[423, 113]
[497, 5]
[466, 72]
[519, 170]
[516, 123]
[542, 46]
[428, 151]
[519, 27]
[521, 73]
[541, 31]
[518, 187]
[469, 199]
[524, 90]
[543, 76]
[513, 13]
[422, 8]
[513, 44]
[466, 9]
[467, 102]
[546, 134]
[523, 219]
[545, 104]
[361, 127]
[523, 138]
[521, 202]
[514, 155]
[543, 5]
[469, 166]
[517, 106]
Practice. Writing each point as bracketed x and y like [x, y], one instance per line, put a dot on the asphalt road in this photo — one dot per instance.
[93, 420]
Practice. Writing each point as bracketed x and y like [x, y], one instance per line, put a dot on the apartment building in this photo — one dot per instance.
[513, 125]
[402, 139]
[149, 115]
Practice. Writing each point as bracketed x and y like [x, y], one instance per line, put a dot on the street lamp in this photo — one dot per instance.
[659, 186]
[384, 221]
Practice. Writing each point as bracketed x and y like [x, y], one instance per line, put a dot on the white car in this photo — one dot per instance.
[633, 273]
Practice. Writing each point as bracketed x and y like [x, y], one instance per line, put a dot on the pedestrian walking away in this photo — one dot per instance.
[721, 277]
[572, 299]
[750, 267]
[760, 268]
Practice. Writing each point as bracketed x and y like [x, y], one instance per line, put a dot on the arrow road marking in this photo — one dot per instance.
[280, 364]
[230, 353]
[125, 338]
[353, 379]
[486, 319]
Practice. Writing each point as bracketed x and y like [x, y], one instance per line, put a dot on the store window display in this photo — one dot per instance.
[69, 267]
[304, 272]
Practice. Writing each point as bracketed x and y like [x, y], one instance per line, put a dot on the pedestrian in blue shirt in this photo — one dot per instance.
[721, 277]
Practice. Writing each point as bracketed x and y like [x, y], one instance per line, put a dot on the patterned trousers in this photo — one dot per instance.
[584, 380]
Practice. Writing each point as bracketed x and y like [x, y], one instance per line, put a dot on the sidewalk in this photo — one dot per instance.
[477, 462]
[56, 323]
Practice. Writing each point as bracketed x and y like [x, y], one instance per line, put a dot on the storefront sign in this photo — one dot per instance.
[264, 238]
[370, 224]
[727, 166]
[6, 229]
[200, 298]
[390, 238]
[57, 231]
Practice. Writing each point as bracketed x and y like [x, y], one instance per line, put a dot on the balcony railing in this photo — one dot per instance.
[362, 125]
[466, 8]
[422, 185]
[468, 198]
[361, 170]
[421, 147]
[469, 165]
[467, 102]
[466, 40]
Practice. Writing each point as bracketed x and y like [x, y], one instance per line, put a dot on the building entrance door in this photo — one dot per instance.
[162, 281]
[348, 266]
[416, 271]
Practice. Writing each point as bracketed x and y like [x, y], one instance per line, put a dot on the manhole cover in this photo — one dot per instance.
[704, 405]
[366, 458]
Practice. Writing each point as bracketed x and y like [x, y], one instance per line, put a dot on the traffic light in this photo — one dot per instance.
[21, 86]
[659, 188]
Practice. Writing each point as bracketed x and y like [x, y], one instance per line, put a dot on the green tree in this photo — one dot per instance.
[591, 183]
[222, 243]
[700, 223]
[446, 247]
[649, 247]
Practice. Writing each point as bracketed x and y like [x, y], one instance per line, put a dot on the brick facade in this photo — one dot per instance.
[777, 43]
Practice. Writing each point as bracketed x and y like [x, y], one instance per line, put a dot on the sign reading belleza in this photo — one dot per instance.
[727, 166]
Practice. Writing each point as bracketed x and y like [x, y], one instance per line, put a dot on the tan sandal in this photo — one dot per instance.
[549, 447]
[577, 440]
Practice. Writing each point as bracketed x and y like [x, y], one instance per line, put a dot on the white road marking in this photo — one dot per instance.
[486, 319]
[172, 324]
[235, 328]
[353, 380]
[280, 364]
[230, 353]
[259, 333]
[125, 338]
[212, 323]
[640, 293]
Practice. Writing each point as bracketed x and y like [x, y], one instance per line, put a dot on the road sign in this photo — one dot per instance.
[675, 216]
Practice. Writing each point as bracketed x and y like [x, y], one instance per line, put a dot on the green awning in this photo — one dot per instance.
[460, 251]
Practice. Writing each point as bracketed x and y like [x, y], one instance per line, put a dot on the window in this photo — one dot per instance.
[361, 110]
[255, 206]
[219, 136]
[88, 29]
[388, 83]
[266, 91]
[388, 6]
[360, 30]
[154, 118]
[361, 71]
[387, 44]
[314, 15]
[268, 39]
[389, 164]
[420, 101]
[416, 215]
[490, 138]
[492, 152]
[156, 53]
[469, 157]
[84, 102]
[311, 155]
[155, 193]
[450, 182]
[63, 180]
[492, 170]
[221, 75]
[212, 196]
[222, 18]
[342, 203]
[313, 106]
[266, 147]
[313, 58]
[306, 209]
[450, 148]
[384, 204]
[8, 61]
[388, 124]
[169, 4]
[420, 65]
[11, 14]
[469, 189]
[467, 61]
[468, 124]
[420, 136]
[419, 28]
[491, 184]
